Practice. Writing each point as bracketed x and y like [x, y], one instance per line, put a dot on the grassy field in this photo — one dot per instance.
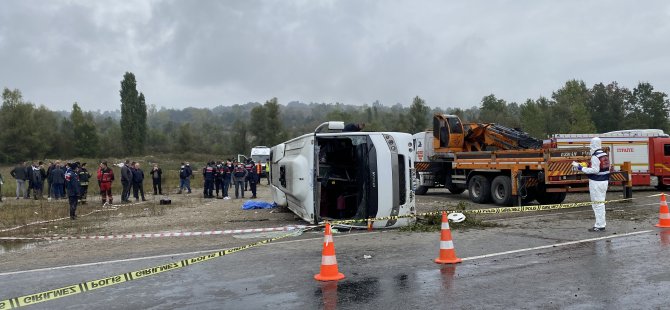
[170, 165]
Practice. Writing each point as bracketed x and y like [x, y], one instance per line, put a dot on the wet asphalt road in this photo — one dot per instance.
[619, 272]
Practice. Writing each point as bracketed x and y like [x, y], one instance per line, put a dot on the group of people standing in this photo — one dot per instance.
[132, 176]
[69, 180]
[220, 176]
[32, 178]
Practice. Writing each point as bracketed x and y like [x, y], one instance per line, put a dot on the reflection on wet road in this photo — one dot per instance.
[621, 272]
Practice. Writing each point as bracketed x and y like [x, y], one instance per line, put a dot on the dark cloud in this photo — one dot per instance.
[206, 53]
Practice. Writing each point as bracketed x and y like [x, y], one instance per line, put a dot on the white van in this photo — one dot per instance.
[261, 155]
[339, 175]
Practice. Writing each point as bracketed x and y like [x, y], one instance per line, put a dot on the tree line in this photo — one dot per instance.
[576, 108]
[29, 131]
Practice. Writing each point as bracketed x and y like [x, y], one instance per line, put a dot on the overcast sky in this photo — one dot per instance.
[209, 53]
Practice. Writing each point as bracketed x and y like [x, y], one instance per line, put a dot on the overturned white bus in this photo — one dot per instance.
[338, 175]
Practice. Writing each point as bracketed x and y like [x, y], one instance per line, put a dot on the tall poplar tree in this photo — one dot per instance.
[141, 130]
[274, 130]
[133, 115]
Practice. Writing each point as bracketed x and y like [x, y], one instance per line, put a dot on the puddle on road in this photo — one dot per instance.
[663, 277]
[358, 292]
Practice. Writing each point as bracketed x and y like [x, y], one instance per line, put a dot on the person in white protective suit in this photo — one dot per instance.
[598, 171]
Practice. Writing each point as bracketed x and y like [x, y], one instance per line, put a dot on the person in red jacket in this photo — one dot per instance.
[105, 178]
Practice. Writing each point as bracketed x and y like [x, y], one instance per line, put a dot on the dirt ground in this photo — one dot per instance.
[190, 212]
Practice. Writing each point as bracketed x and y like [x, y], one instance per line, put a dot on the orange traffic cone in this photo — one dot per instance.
[447, 252]
[664, 214]
[329, 270]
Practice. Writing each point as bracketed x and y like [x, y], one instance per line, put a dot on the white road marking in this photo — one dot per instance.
[162, 256]
[556, 245]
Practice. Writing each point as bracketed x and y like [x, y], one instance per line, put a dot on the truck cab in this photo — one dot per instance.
[659, 160]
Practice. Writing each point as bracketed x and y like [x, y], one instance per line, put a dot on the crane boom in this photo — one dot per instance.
[451, 135]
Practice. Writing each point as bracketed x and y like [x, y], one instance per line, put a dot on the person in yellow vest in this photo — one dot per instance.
[267, 171]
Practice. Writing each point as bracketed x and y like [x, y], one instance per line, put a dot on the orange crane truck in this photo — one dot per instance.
[499, 164]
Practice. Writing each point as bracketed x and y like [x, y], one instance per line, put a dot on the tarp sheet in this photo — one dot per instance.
[255, 204]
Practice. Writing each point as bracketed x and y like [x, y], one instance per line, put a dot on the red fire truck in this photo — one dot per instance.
[648, 151]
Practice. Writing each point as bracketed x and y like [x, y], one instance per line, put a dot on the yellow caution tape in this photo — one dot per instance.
[32, 299]
[491, 210]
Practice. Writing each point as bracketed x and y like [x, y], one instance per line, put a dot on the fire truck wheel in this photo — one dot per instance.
[421, 190]
[479, 189]
[501, 190]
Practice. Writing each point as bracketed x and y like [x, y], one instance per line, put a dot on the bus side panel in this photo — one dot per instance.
[293, 175]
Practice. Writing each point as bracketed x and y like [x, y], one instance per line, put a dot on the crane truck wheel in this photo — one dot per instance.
[479, 189]
[560, 197]
[551, 198]
[531, 194]
[501, 190]
[455, 190]
[421, 190]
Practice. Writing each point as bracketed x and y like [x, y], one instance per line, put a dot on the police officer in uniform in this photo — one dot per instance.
[84, 177]
[218, 178]
[239, 175]
[228, 169]
[72, 184]
[208, 175]
[253, 178]
[249, 166]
